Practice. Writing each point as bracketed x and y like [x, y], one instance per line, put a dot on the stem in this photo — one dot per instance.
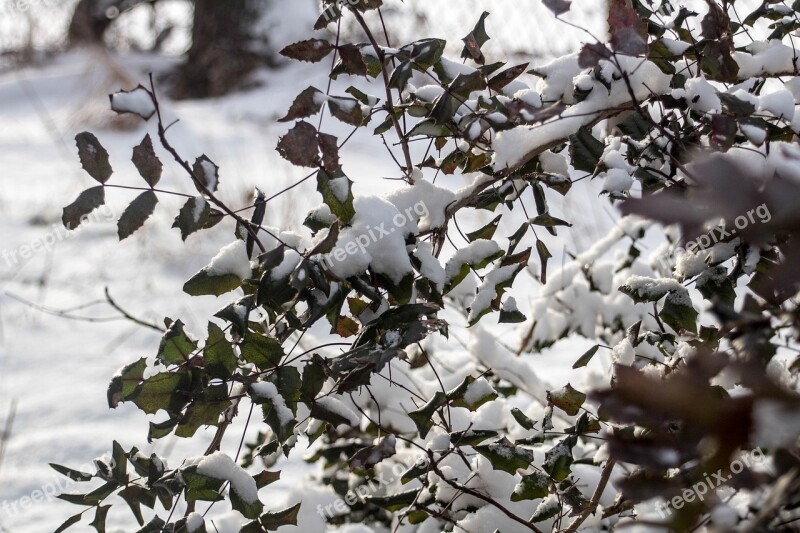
[593, 503]
[389, 106]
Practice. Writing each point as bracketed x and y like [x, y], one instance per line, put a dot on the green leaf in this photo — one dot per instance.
[522, 419]
[586, 357]
[124, 384]
[204, 411]
[162, 391]
[176, 347]
[249, 510]
[567, 399]
[679, 313]
[147, 162]
[530, 487]
[423, 417]
[585, 151]
[558, 459]
[503, 455]
[192, 217]
[94, 158]
[546, 511]
[120, 470]
[262, 351]
[548, 221]
[471, 395]
[313, 380]
[486, 232]
[332, 194]
[200, 487]
[87, 201]
[220, 359]
[206, 283]
[137, 214]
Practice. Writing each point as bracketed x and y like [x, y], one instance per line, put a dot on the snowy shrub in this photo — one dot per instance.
[688, 118]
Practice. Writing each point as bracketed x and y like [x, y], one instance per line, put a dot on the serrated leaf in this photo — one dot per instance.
[475, 40]
[161, 391]
[531, 487]
[423, 417]
[147, 162]
[220, 360]
[679, 313]
[585, 150]
[331, 195]
[175, 346]
[307, 103]
[503, 455]
[193, 216]
[139, 102]
[299, 146]
[262, 351]
[567, 399]
[87, 201]
[136, 214]
[94, 158]
[204, 411]
[100, 515]
[207, 173]
[124, 384]
[310, 50]
[558, 459]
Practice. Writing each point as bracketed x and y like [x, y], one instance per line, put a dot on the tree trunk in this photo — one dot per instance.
[92, 18]
[225, 48]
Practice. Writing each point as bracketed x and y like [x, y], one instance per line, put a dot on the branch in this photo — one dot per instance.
[598, 492]
[476, 494]
[389, 105]
[130, 317]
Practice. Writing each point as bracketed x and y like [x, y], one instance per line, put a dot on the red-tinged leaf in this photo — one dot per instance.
[307, 103]
[310, 50]
[147, 162]
[299, 146]
[506, 77]
[329, 146]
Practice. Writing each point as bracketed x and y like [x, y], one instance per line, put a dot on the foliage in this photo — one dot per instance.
[687, 107]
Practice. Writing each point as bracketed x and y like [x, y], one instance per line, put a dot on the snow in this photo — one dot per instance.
[429, 265]
[554, 163]
[194, 522]
[472, 254]
[268, 391]
[771, 57]
[487, 291]
[478, 390]
[340, 188]
[232, 259]
[336, 406]
[617, 181]
[779, 103]
[700, 95]
[219, 465]
[210, 174]
[138, 101]
[513, 146]
[623, 352]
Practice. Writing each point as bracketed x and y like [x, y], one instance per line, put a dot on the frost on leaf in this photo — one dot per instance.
[94, 158]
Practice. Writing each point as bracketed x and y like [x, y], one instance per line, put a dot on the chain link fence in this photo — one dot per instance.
[516, 27]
